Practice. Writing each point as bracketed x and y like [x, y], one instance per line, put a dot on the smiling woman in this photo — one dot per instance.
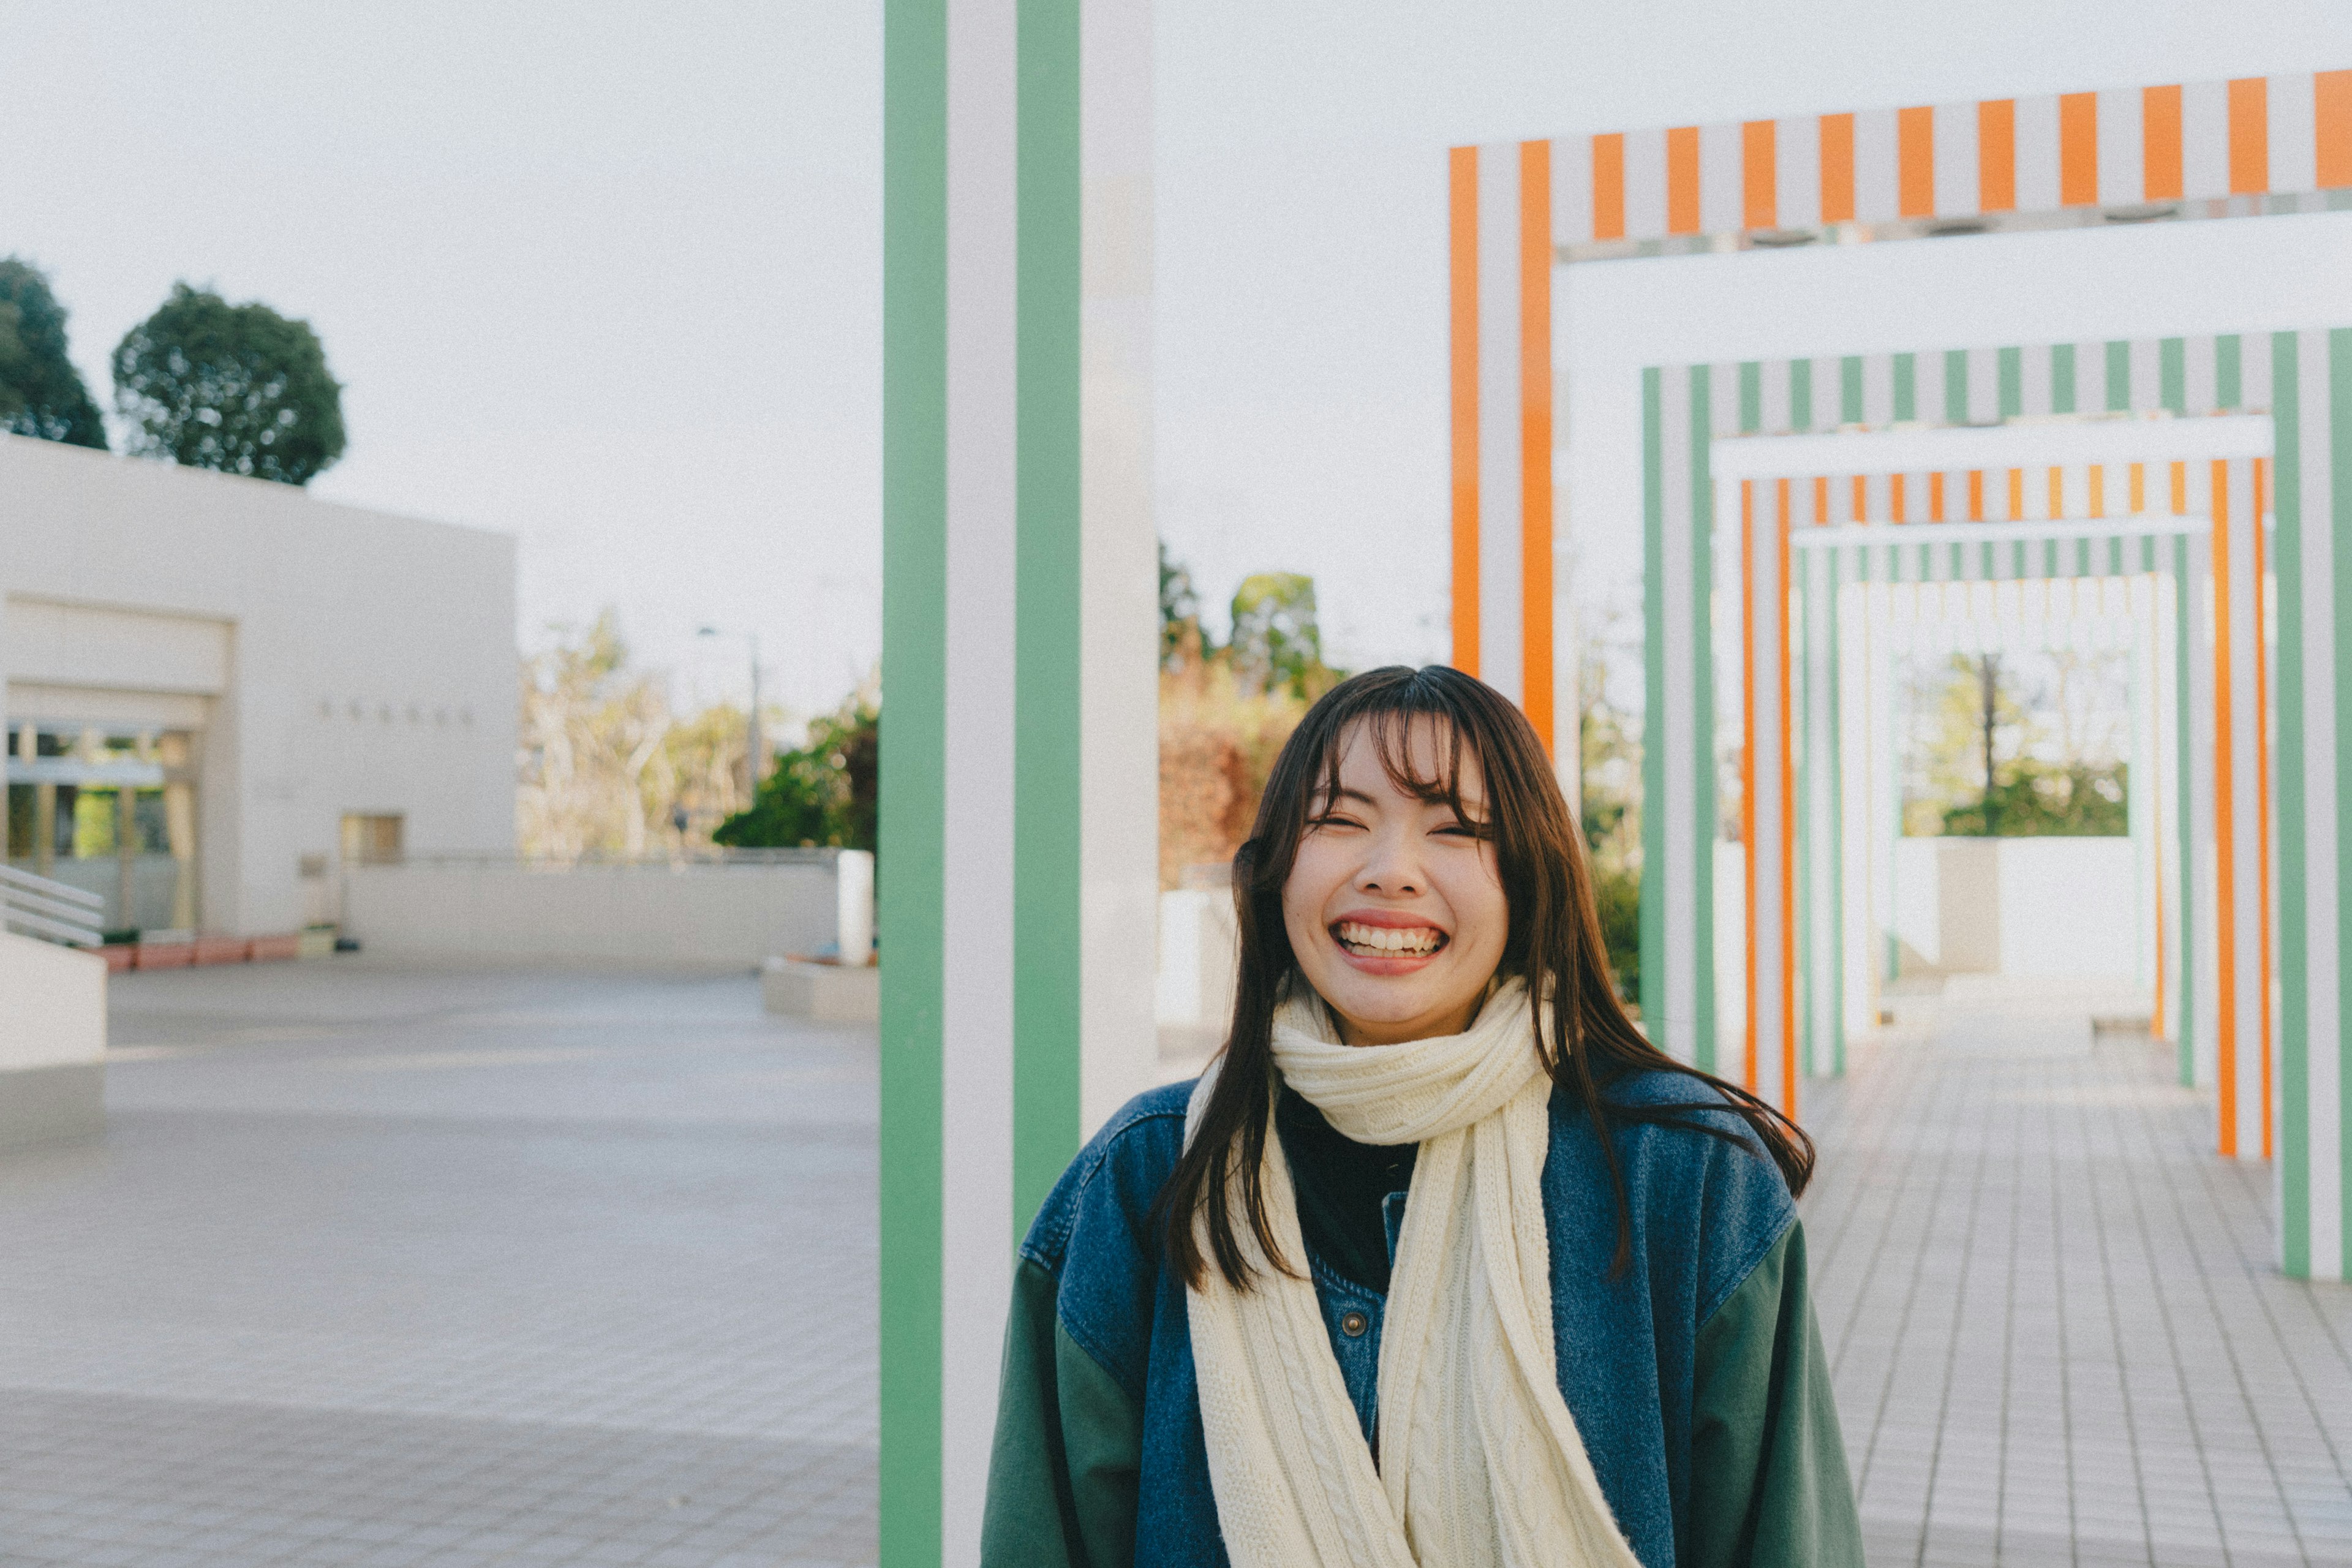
[1441, 1261]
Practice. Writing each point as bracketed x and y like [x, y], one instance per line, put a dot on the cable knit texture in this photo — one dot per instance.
[1480, 1464]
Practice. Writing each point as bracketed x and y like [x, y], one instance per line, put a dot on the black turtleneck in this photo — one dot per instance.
[1342, 1187]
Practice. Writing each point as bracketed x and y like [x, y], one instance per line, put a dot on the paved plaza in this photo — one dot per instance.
[448, 1269]
[472, 1267]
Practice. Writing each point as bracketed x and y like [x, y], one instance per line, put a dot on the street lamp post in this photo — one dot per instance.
[751, 754]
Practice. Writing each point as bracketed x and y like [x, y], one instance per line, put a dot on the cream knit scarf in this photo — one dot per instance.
[1480, 1463]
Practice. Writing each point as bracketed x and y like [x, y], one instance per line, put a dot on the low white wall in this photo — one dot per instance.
[717, 915]
[1200, 957]
[2040, 906]
[56, 1009]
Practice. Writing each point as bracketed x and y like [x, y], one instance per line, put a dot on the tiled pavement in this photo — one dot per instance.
[494, 1269]
[455, 1269]
[2056, 1330]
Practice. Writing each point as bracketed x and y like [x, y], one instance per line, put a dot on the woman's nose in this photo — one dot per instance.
[1391, 868]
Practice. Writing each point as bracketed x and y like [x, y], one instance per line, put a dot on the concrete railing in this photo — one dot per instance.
[731, 912]
[39, 905]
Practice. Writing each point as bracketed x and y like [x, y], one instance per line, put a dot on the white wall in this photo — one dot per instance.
[55, 1013]
[717, 916]
[2027, 907]
[344, 660]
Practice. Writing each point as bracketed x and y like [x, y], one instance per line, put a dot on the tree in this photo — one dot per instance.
[41, 393]
[238, 388]
[824, 794]
[1180, 637]
[1275, 643]
[589, 730]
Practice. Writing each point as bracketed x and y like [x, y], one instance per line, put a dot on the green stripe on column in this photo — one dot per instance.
[2229, 372]
[1702, 526]
[1850, 390]
[1801, 395]
[1956, 386]
[1047, 842]
[2011, 362]
[2173, 373]
[1653, 890]
[1751, 397]
[2118, 376]
[1906, 387]
[2295, 1013]
[2339, 441]
[2062, 378]
[909, 887]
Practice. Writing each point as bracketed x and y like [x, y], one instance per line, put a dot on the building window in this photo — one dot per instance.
[371, 838]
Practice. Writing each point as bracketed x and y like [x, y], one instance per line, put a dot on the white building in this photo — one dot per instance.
[218, 689]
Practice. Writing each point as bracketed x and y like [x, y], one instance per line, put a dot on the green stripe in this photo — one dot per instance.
[1702, 525]
[2294, 891]
[2013, 383]
[2229, 389]
[1046, 870]
[2062, 378]
[2340, 444]
[1956, 386]
[1850, 390]
[2173, 373]
[913, 802]
[1751, 397]
[1653, 890]
[2186, 762]
[1906, 387]
[2119, 377]
[1801, 395]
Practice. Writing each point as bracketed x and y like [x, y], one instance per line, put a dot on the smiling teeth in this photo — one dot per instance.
[1403, 942]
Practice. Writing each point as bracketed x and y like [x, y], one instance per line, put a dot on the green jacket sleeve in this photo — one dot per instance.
[1063, 1472]
[1769, 1484]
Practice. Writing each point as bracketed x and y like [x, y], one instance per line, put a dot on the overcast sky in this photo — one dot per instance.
[612, 285]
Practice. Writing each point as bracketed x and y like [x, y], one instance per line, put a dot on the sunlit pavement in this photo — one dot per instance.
[379, 1267]
[2057, 1333]
[393, 1267]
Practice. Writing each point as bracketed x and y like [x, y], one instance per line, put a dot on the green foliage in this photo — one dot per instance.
[41, 393]
[236, 388]
[1180, 637]
[2035, 800]
[824, 794]
[1276, 645]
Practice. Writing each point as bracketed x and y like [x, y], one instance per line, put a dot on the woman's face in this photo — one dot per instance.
[1395, 911]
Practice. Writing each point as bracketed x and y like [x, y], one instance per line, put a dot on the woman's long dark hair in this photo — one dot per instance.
[1554, 945]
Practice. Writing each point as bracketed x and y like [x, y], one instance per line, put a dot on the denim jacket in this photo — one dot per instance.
[1695, 1376]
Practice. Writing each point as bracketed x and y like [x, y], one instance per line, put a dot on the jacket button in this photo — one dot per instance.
[1353, 1324]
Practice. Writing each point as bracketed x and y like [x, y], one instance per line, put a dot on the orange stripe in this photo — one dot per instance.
[2250, 136]
[1534, 437]
[2331, 93]
[1895, 507]
[2262, 777]
[2159, 133]
[1681, 180]
[1759, 173]
[2078, 149]
[1609, 186]
[1462, 210]
[1837, 168]
[1861, 498]
[2057, 493]
[2179, 489]
[1914, 158]
[1997, 155]
[1787, 836]
[1821, 501]
[1976, 495]
[2138, 488]
[2017, 495]
[1747, 749]
[1936, 497]
[2098, 490]
[2224, 845]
